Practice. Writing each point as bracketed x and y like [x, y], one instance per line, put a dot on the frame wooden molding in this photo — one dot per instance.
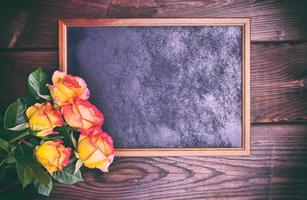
[64, 24]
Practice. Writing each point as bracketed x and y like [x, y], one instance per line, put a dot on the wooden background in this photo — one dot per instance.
[277, 167]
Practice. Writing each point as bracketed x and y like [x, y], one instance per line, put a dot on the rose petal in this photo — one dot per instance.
[72, 116]
[57, 75]
[53, 155]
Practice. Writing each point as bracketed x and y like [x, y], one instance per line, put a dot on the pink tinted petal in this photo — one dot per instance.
[85, 91]
[86, 94]
[104, 166]
[107, 138]
[108, 148]
[57, 75]
[72, 116]
[56, 117]
[92, 131]
[97, 115]
[81, 82]
[67, 153]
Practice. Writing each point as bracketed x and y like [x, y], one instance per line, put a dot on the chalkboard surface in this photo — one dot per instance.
[170, 87]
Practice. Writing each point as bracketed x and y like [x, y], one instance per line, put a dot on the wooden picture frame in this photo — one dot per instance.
[64, 24]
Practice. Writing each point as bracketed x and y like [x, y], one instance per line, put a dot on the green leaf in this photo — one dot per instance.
[34, 140]
[3, 161]
[10, 160]
[1, 124]
[68, 176]
[42, 189]
[15, 114]
[2, 172]
[73, 140]
[20, 127]
[24, 174]
[37, 82]
[64, 131]
[79, 164]
[4, 145]
[24, 155]
[28, 100]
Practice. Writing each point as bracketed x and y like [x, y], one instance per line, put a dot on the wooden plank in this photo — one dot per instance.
[15, 68]
[277, 168]
[278, 84]
[34, 25]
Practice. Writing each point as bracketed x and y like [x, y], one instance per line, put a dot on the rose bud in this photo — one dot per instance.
[53, 155]
[43, 118]
[82, 115]
[67, 88]
[95, 148]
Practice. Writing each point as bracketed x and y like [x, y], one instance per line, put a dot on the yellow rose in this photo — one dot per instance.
[67, 88]
[95, 149]
[82, 115]
[53, 155]
[44, 118]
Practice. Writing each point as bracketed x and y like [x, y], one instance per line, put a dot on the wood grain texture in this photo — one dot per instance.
[276, 169]
[278, 84]
[15, 68]
[33, 24]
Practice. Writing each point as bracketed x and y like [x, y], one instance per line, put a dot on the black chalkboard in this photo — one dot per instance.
[164, 86]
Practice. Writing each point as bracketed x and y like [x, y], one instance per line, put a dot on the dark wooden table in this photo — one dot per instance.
[277, 167]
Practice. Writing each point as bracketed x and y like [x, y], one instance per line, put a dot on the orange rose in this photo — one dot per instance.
[53, 155]
[95, 149]
[82, 115]
[44, 118]
[67, 88]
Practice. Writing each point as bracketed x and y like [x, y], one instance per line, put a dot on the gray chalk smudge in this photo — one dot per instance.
[163, 86]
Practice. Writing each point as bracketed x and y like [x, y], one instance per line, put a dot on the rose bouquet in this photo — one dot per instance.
[51, 133]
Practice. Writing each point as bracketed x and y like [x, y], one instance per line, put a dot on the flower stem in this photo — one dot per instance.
[20, 136]
[9, 186]
[29, 144]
